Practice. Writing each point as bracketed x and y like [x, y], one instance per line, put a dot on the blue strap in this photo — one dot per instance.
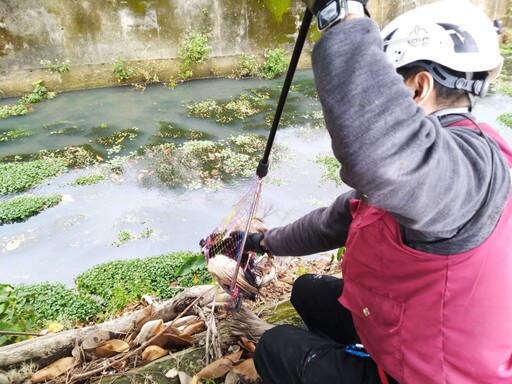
[356, 350]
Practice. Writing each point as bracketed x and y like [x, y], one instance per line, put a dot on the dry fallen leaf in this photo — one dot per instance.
[95, 339]
[143, 317]
[219, 367]
[247, 344]
[194, 328]
[111, 347]
[246, 371]
[174, 340]
[149, 329]
[153, 352]
[53, 370]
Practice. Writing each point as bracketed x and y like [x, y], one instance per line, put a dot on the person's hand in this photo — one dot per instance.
[317, 5]
[252, 243]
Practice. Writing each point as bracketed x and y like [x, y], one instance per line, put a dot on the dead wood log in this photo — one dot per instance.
[49, 348]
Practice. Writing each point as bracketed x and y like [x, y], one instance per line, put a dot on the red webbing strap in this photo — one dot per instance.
[382, 375]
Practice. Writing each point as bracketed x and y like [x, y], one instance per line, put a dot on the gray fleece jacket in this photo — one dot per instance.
[446, 187]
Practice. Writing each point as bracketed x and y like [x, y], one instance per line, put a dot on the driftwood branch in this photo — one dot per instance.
[49, 348]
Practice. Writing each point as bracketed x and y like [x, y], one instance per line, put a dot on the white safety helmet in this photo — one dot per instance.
[453, 33]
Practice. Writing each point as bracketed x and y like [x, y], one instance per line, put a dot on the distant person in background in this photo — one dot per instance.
[427, 274]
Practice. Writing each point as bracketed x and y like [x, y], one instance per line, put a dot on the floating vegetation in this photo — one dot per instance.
[12, 110]
[199, 163]
[332, 169]
[57, 125]
[77, 156]
[72, 130]
[14, 134]
[39, 93]
[228, 111]
[20, 176]
[505, 119]
[99, 130]
[88, 180]
[118, 137]
[18, 209]
[168, 130]
[123, 237]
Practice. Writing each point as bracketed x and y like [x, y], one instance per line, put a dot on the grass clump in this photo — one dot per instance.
[20, 176]
[21, 208]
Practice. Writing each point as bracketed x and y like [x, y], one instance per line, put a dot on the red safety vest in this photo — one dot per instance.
[426, 318]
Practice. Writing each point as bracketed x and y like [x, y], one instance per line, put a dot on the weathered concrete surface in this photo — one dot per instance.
[90, 33]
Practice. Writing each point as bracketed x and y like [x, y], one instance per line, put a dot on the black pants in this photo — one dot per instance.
[287, 354]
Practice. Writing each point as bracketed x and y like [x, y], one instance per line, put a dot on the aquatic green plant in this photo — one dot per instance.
[193, 49]
[88, 180]
[72, 130]
[15, 134]
[12, 110]
[39, 94]
[118, 136]
[199, 163]
[120, 70]
[15, 316]
[169, 130]
[227, 111]
[332, 168]
[123, 237]
[56, 67]
[54, 301]
[135, 277]
[248, 66]
[505, 119]
[20, 176]
[275, 63]
[77, 156]
[21, 208]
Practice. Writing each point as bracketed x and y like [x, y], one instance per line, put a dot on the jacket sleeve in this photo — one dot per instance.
[431, 179]
[321, 230]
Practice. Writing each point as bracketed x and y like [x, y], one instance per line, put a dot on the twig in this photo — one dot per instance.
[84, 375]
[13, 333]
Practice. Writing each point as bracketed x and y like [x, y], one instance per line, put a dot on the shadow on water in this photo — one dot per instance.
[84, 229]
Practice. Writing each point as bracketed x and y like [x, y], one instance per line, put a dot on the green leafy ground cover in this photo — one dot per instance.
[20, 176]
[21, 208]
[98, 292]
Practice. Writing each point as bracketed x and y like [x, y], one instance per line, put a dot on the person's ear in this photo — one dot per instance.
[422, 84]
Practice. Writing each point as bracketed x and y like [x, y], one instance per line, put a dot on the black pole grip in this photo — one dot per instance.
[262, 169]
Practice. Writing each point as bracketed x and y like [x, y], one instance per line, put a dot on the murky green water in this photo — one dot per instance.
[80, 232]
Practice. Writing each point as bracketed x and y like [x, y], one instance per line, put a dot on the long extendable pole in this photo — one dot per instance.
[262, 169]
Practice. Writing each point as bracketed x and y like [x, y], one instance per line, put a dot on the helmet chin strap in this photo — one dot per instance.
[473, 87]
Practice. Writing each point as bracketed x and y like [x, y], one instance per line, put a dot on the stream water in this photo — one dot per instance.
[80, 232]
